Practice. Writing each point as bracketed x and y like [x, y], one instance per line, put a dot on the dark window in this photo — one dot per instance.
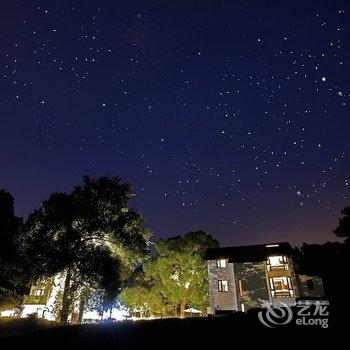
[310, 284]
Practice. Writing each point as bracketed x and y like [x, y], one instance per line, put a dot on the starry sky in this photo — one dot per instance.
[226, 116]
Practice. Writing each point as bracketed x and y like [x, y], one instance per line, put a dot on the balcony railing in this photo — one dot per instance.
[35, 299]
[279, 267]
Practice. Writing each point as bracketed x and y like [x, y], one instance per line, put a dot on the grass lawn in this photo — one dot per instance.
[10, 326]
[239, 331]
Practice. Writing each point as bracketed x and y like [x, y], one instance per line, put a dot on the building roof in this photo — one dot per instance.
[245, 253]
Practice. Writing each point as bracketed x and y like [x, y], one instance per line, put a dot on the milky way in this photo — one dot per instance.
[226, 116]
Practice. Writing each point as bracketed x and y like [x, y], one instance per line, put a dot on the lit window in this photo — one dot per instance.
[223, 285]
[277, 262]
[240, 288]
[38, 292]
[281, 287]
[221, 263]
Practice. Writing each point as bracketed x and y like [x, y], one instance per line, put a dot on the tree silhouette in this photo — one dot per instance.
[343, 229]
[13, 277]
[90, 235]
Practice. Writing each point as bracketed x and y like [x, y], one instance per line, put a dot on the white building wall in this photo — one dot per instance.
[9, 313]
[46, 310]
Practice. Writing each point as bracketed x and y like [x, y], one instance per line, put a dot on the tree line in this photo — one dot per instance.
[100, 246]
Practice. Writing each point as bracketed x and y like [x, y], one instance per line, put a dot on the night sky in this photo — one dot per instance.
[227, 116]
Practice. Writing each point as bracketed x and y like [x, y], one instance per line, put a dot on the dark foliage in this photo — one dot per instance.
[330, 261]
[89, 234]
[343, 229]
[14, 277]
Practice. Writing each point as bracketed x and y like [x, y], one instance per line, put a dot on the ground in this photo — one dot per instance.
[239, 331]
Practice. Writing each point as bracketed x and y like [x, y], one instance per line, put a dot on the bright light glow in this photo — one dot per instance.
[277, 262]
[223, 285]
[221, 263]
[117, 314]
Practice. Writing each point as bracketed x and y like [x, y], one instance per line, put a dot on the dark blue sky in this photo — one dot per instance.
[227, 116]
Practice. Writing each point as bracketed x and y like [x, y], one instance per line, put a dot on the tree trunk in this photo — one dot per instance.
[81, 310]
[66, 300]
[182, 308]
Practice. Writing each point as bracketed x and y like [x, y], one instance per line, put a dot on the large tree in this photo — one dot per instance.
[145, 296]
[175, 278]
[13, 277]
[87, 234]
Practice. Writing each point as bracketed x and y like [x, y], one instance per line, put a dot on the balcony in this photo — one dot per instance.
[281, 287]
[35, 299]
[278, 263]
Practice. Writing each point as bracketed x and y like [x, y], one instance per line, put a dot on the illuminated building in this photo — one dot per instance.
[245, 277]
